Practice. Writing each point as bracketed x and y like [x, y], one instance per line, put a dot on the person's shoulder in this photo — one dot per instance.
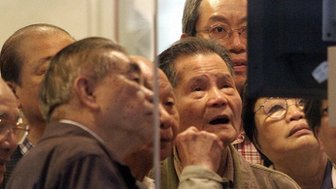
[273, 177]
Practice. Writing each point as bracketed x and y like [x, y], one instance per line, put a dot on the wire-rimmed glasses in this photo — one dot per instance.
[221, 31]
[276, 108]
[18, 128]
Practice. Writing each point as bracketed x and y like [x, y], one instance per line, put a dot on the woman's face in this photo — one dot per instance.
[327, 133]
[281, 128]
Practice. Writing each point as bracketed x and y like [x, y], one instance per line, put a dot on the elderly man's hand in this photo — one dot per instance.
[199, 148]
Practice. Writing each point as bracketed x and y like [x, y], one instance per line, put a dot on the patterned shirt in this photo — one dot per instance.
[19, 152]
[246, 148]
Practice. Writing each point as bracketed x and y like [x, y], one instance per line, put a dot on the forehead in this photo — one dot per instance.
[199, 64]
[43, 45]
[261, 101]
[121, 61]
[223, 9]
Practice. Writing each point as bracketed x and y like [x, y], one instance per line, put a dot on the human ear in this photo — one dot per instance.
[184, 35]
[84, 88]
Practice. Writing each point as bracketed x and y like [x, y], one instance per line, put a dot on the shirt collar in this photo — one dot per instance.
[82, 127]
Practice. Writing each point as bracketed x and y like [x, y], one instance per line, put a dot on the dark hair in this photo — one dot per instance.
[188, 47]
[88, 56]
[190, 16]
[249, 123]
[313, 112]
[10, 58]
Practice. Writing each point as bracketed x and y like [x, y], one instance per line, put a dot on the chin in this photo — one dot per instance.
[227, 138]
[164, 154]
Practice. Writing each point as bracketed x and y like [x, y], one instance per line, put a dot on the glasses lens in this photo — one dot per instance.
[243, 32]
[218, 32]
[21, 132]
[300, 103]
[275, 108]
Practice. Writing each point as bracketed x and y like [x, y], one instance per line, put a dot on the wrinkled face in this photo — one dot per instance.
[36, 53]
[8, 113]
[126, 105]
[229, 14]
[327, 134]
[169, 117]
[284, 135]
[206, 96]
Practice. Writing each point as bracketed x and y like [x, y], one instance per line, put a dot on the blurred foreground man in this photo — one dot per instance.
[95, 103]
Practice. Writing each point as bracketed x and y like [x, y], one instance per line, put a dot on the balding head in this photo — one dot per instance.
[12, 54]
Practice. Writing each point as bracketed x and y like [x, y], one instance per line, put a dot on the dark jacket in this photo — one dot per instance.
[69, 157]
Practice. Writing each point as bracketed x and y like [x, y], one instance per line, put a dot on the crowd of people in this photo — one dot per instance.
[79, 113]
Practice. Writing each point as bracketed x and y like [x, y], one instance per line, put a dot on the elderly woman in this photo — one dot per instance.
[279, 130]
[318, 117]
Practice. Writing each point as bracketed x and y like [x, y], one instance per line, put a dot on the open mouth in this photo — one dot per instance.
[219, 120]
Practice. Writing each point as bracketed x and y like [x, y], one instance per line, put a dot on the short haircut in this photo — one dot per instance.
[10, 58]
[189, 46]
[190, 16]
[87, 56]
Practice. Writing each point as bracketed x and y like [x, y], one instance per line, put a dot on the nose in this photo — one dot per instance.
[148, 94]
[236, 44]
[294, 113]
[8, 141]
[216, 98]
[165, 121]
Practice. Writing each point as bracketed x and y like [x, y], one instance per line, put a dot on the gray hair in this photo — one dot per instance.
[87, 56]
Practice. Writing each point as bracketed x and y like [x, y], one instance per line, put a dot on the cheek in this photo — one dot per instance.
[190, 115]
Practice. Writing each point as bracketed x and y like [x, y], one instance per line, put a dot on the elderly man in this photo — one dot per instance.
[24, 60]
[141, 162]
[98, 111]
[225, 22]
[208, 101]
[10, 130]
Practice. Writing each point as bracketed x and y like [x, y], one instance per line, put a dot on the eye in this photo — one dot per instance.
[325, 111]
[300, 103]
[136, 79]
[274, 108]
[218, 29]
[197, 89]
[42, 71]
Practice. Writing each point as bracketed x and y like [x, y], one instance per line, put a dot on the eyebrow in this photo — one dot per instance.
[220, 18]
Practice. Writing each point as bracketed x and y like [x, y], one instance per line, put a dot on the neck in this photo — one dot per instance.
[140, 163]
[224, 164]
[36, 130]
[307, 170]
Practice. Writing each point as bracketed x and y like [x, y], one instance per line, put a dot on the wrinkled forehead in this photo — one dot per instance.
[200, 64]
[122, 62]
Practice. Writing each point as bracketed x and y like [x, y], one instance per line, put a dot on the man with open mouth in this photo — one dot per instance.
[210, 110]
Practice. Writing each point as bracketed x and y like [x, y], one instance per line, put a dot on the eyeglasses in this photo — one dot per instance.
[221, 31]
[19, 129]
[276, 108]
